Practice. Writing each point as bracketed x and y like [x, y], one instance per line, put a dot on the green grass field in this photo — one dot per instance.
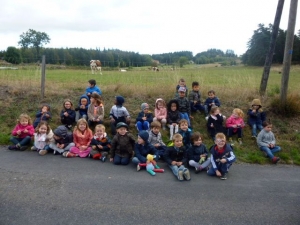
[20, 91]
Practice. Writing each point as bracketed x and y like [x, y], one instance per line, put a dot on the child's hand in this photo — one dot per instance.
[66, 114]
[254, 110]
[82, 106]
[18, 132]
[100, 146]
[223, 160]
[144, 118]
[195, 102]
[234, 126]
[174, 124]
[218, 173]
[25, 131]
[173, 163]
[111, 159]
[112, 120]
[61, 146]
[211, 125]
[203, 155]
[157, 145]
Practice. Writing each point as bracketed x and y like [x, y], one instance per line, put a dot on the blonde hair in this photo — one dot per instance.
[213, 109]
[82, 120]
[41, 124]
[177, 137]
[68, 100]
[183, 121]
[100, 126]
[26, 117]
[221, 136]
[238, 112]
[156, 124]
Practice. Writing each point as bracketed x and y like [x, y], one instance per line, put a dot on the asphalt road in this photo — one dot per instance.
[55, 190]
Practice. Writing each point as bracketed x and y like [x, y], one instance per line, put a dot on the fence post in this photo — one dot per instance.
[43, 76]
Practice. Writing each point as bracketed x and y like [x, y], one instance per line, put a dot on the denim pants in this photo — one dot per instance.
[196, 107]
[175, 169]
[222, 167]
[255, 127]
[22, 141]
[135, 160]
[118, 160]
[239, 131]
[185, 116]
[270, 151]
[143, 125]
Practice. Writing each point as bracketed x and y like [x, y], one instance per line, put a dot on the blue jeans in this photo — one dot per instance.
[175, 169]
[142, 125]
[118, 160]
[135, 160]
[222, 167]
[22, 141]
[270, 151]
[196, 107]
[255, 127]
[185, 116]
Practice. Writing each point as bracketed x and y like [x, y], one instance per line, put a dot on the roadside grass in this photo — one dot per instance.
[20, 91]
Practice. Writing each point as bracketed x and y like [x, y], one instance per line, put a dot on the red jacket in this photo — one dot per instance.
[20, 127]
[84, 138]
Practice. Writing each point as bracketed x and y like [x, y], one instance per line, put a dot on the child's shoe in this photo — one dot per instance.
[69, 155]
[231, 141]
[223, 177]
[103, 158]
[186, 174]
[180, 175]
[23, 148]
[138, 168]
[43, 152]
[33, 148]
[240, 141]
[275, 159]
[253, 137]
[12, 147]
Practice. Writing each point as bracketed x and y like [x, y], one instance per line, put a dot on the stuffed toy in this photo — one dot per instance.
[202, 160]
[151, 165]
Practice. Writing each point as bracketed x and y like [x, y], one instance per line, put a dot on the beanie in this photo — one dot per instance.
[144, 135]
[182, 89]
[144, 106]
[120, 100]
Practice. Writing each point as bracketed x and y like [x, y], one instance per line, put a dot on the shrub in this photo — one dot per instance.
[289, 109]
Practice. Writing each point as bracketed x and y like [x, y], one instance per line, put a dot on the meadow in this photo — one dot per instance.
[236, 86]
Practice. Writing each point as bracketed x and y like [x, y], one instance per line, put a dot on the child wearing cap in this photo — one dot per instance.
[118, 113]
[122, 145]
[144, 118]
[142, 148]
[184, 105]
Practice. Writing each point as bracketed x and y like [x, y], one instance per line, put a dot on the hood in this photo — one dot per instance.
[61, 131]
[86, 97]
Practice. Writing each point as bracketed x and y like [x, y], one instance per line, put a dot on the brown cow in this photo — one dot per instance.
[95, 66]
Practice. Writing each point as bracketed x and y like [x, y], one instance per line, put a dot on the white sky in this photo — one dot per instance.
[146, 27]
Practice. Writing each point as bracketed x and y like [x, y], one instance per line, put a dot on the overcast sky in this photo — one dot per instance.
[146, 27]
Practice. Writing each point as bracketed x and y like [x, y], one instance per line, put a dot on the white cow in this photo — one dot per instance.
[95, 66]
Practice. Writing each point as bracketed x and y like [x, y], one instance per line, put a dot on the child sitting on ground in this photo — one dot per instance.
[195, 98]
[160, 112]
[81, 110]
[122, 145]
[198, 154]
[100, 143]
[184, 105]
[176, 157]
[142, 148]
[144, 118]
[221, 157]
[173, 117]
[22, 133]
[215, 122]
[82, 137]
[181, 83]
[118, 113]
[92, 88]
[42, 115]
[211, 101]
[185, 132]
[67, 114]
[43, 136]
[156, 140]
[235, 124]
[95, 110]
[267, 143]
[256, 117]
[63, 140]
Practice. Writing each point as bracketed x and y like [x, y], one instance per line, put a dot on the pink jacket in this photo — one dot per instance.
[160, 113]
[231, 121]
[82, 138]
[18, 127]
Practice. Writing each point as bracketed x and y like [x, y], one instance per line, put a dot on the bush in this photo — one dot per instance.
[289, 109]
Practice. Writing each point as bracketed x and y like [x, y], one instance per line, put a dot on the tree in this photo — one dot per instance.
[182, 61]
[12, 55]
[34, 39]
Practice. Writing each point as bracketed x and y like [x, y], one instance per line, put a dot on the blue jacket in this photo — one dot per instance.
[83, 111]
[194, 152]
[256, 118]
[90, 90]
[212, 100]
[71, 113]
[216, 156]
[186, 137]
[174, 154]
[149, 116]
[141, 151]
[41, 117]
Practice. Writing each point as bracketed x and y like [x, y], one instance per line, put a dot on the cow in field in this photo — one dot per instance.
[95, 66]
[155, 69]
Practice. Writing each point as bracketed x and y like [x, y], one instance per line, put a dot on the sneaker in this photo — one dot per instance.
[12, 147]
[43, 152]
[206, 118]
[180, 175]
[223, 177]
[69, 155]
[240, 141]
[33, 148]
[103, 158]
[138, 168]
[275, 159]
[253, 137]
[23, 148]
[198, 169]
[231, 141]
[54, 152]
[186, 174]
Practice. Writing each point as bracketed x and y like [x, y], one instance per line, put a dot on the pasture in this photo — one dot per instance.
[20, 91]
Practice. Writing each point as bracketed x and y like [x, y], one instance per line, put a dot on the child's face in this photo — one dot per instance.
[178, 143]
[155, 130]
[140, 141]
[181, 83]
[255, 106]
[43, 129]
[216, 112]
[220, 143]
[173, 107]
[82, 126]
[235, 115]
[92, 100]
[268, 128]
[83, 101]
[196, 88]
[44, 109]
[198, 142]
[90, 85]
[68, 105]
[99, 132]
[56, 137]
[122, 130]
[160, 105]
[184, 126]
[211, 95]
[24, 122]
[146, 110]
[181, 94]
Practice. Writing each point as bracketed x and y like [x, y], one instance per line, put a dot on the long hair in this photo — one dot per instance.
[25, 116]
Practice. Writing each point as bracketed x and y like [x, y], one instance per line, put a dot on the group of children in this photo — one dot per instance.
[186, 147]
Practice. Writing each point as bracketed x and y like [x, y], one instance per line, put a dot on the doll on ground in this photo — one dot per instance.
[22, 133]
[43, 136]
[151, 165]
